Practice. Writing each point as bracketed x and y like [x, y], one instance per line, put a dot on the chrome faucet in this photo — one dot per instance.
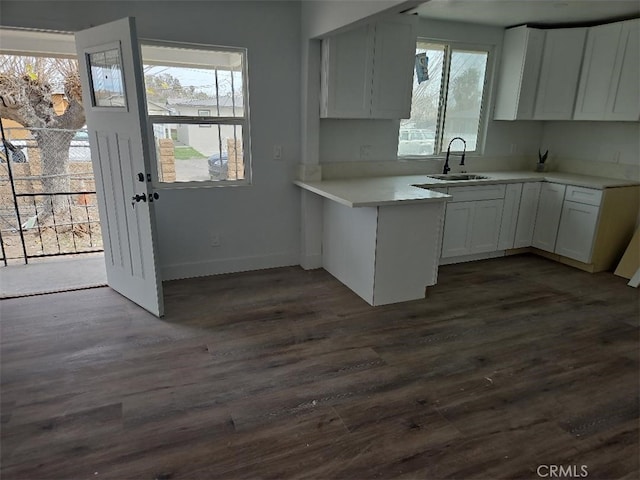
[446, 168]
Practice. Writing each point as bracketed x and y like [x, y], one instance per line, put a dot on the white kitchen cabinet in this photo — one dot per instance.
[597, 71]
[456, 238]
[367, 72]
[509, 216]
[609, 79]
[548, 216]
[577, 229]
[559, 73]
[485, 229]
[471, 227]
[519, 69]
[472, 220]
[527, 214]
[624, 95]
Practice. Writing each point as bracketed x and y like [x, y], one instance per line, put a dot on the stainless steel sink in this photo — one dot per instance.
[457, 177]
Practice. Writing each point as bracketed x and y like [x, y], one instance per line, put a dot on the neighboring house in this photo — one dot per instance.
[200, 136]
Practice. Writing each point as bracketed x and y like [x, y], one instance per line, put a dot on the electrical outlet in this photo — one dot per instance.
[215, 240]
[277, 152]
[514, 148]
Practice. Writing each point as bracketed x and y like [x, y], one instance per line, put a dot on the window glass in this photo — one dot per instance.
[196, 103]
[464, 101]
[424, 106]
[448, 91]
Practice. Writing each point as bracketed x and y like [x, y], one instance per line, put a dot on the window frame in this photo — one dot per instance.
[449, 47]
[204, 121]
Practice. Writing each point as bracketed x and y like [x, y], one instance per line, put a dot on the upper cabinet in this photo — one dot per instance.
[559, 73]
[367, 72]
[570, 73]
[609, 79]
[521, 58]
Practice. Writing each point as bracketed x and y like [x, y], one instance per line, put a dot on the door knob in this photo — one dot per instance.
[138, 198]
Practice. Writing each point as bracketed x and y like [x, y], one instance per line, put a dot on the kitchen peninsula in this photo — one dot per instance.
[381, 236]
[384, 237]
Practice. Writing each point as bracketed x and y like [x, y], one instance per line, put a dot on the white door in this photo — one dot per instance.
[114, 101]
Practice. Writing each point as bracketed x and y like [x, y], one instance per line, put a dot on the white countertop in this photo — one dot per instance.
[375, 191]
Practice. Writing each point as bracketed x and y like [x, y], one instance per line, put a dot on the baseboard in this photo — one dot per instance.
[227, 265]
[471, 258]
[587, 267]
[311, 262]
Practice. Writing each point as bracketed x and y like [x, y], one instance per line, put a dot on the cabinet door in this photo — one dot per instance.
[347, 66]
[527, 215]
[577, 230]
[519, 69]
[457, 229]
[393, 63]
[624, 95]
[485, 228]
[509, 216]
[559, 73]
[596, 78]
[548, 216]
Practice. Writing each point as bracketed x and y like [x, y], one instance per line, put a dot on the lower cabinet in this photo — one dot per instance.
[577, 231]
[590, 226]
[527, 215]
[548, 216]
[471, 227]
[510, 212]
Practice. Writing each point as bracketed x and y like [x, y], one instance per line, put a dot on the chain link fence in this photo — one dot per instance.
[48, 203]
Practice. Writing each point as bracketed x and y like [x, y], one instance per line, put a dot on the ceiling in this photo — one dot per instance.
[508, 13]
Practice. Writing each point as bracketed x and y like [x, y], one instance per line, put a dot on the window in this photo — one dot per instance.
[196, 100]
[447, 101]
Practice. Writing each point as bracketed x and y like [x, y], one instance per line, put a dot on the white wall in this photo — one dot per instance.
[609, 149]
[507, 144]
[258, 225]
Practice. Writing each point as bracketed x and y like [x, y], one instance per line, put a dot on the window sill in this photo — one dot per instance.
[201, 185]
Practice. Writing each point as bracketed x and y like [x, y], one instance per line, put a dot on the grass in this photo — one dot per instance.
[187, 153]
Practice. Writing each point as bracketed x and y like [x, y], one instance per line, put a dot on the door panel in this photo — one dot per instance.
[457, 229]
[486, 226]
[115, 107]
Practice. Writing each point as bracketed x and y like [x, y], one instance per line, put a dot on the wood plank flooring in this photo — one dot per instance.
[508, 364]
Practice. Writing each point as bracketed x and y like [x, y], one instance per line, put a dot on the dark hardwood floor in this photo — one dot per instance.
[507, 365]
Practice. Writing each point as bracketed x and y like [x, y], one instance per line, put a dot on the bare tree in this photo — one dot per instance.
[26, 87]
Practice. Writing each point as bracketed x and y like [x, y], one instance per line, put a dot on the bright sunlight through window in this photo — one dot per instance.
[448, 92]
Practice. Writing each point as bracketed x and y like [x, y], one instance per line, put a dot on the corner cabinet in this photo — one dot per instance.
[609, 79]
[367, 72]
[521, 58]
[559, 73]
[527, 215]
[548, 216]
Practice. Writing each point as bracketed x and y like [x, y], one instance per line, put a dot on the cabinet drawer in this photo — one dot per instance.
[478, 192]
[589, 196]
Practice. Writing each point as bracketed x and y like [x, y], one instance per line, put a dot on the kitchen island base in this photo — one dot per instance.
[385, 254]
